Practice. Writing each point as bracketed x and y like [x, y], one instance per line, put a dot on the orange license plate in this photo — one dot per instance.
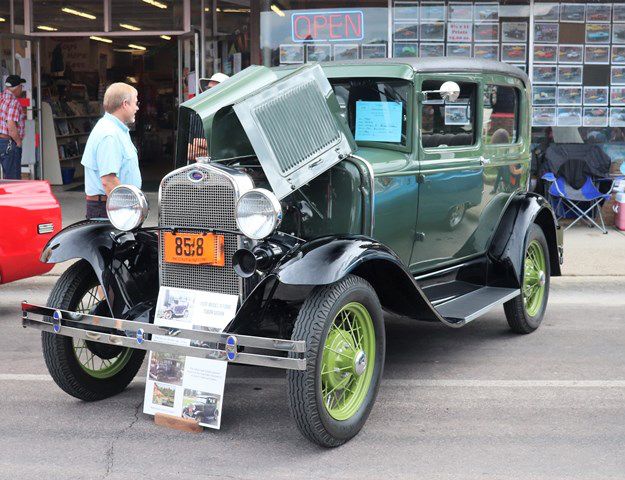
[195, 248]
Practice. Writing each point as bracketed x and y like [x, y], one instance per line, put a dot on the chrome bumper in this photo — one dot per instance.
[133, 334]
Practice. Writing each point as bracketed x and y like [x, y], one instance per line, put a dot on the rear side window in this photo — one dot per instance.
[448, 124]
[501, 114]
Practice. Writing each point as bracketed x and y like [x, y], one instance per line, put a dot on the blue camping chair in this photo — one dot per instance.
[581, 204]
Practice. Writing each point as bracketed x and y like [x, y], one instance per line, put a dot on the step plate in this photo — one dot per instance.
[463, 309]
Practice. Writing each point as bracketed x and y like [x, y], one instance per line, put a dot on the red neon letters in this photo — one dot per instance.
[327, 26]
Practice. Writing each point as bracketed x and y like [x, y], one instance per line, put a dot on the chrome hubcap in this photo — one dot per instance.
[360, 362]
[542, 279]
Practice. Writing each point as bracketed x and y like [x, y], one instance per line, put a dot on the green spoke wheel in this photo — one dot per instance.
[525, 312]
[343, 327]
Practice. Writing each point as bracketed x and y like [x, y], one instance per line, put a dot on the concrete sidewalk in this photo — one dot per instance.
[587, 252]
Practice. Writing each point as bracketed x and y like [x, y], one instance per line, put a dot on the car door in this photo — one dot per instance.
[451, 172]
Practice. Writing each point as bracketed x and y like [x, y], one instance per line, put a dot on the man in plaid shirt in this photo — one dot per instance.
[12, 122]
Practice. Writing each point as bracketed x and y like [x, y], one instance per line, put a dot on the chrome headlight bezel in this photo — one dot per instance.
[273, 214]
[140, 209]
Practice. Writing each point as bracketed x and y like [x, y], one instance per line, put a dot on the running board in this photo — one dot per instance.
[461, 310]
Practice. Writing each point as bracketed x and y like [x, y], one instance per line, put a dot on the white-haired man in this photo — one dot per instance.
[12, 123]
[110, 157]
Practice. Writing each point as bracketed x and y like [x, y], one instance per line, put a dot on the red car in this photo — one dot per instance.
[30, 215]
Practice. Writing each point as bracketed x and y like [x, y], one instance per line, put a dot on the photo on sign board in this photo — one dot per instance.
[572, 12]
[618, 33]
[617, 117]
[569, 96]
[618, 12]
[459, 50]
[598, 33]
[460, 11]
[318, 53]
[596, 95]
[546, 32]
[166, 368]
[163, 395]
[597, 54]
[486, 32]
[596, 117]
[433, 31]
[598, 12]
[569, 117]
[376, 50]
[432, 11]
[290, 53]
[486, 12]
[203, 407]
[543, 116]
[405, 32]
[618, 54]
[570, 53]
[617, 96]
[546, 12]
[405, 50]
[457, 115]
[346, 51]
[175, 306]
[486, 51]
[458, 32]
[514, 52]
[432, 50]
[545, 53]
[618, 76]
[406, 11]
[514, 32]
[542, 95]
[570, 75]
[545, 73]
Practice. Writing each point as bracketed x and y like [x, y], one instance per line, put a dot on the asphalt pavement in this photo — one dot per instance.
[478, 402]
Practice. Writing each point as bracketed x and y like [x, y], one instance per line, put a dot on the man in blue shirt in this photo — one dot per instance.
[110, 158]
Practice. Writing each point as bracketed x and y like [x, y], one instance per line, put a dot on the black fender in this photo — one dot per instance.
[324, 261]
[506, 251]
[127, 268]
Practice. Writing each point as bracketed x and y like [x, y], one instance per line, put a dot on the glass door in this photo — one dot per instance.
[189, 67]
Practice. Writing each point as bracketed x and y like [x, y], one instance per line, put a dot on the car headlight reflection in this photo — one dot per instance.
[258, 213]
[127, 207]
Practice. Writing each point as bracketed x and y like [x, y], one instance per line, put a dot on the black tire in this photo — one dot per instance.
[516, 314]
[304, 387]
[58, 350]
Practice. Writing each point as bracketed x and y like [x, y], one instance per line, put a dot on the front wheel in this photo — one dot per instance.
[343, 327]
[525, 312]
[86, 370]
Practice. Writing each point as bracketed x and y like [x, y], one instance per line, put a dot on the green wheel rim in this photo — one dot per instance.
[91, 363]
[348, 361]
[534, 278]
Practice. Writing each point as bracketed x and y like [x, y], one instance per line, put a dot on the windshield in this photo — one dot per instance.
[375, 109]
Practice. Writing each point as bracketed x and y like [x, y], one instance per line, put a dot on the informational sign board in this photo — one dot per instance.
[459, 32]
[178, 385]
[378, 121]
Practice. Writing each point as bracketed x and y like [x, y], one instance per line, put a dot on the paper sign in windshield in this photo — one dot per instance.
[378, 121]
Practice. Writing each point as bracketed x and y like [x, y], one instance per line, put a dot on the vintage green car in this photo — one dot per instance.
[321, 196]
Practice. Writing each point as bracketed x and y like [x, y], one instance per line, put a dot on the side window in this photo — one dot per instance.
[501, 114]
[448, 124]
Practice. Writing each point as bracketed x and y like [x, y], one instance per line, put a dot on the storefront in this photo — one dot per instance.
[574, 51]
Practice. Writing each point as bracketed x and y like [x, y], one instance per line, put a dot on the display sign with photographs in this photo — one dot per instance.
[433, 31]
[599, 12]
[486, 12]
[459, 32]
[618, 76]
[572, 12]
[514, 52]
[486, 51]
[569, 117]
[374, 51]
[569, 95]
[291, 54]
[346, 51]
[617, 117]
[545, 53]
[459, 50]
[514, 32]
[546, 32]
[595, 117]
[597, 54]
[570, 75]
[570, 53]
[405, 31]
[542, 95]
[457, 114]
[547, 12]
[460, 12]
[618, 54]
[597, 33]
[432, 11]
[544, 116]
[318, 53]
[545, 74]
[486, 32]
[618, 33]
[405, 50]
[432, 50]
[617, 96]
[179, 385]
[596, 95]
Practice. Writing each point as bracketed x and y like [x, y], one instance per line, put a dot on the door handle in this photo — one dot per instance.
[484, 161]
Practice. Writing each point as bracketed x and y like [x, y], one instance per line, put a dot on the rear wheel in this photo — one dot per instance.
[343, 327]
[525, 312]
[86, 370]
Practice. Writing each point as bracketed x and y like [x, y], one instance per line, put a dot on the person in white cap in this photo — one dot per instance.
[216, 79]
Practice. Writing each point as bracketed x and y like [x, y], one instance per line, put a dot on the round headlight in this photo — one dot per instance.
[258, 213]
[126, 207]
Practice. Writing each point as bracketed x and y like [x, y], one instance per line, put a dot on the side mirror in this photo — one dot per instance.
[450, 91]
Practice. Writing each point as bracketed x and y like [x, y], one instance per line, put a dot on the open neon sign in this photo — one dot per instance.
[330, 26]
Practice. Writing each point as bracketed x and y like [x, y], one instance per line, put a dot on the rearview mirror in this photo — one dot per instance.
[450, 91]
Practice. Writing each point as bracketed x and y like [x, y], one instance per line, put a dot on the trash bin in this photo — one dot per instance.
[67, 175]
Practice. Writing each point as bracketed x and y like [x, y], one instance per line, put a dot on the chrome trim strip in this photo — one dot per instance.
[486, 308]
[200, 352]
[199, 335]
[371, 190]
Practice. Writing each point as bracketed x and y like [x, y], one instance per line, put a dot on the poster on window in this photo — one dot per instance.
[569, 117]
[596, 117]
[405, 32]
[545, 53]
[544, 116]
[598, 33]
[487, 12]
[572, 12]
[571, 53]
[459, 50]
[291, 54]
[597, 54]
[596, 96]
[618, 54]
[598, 12]
[545, 74]
[406, 11]
[486, 32]
[375, 50]
[514, 32]
[546, 32]
[543, 95]
[570, 75]
[346, 51]
[569, 96]
[618, 76]
[619, 12]
[618, 33]
[459, 32]
[617, 96]
[432, 11]
[405, 50]
[486, 51]
[514, 52]
[432, 31]
[432, 50]
[460, 12]
[617, 117]
[546, 12]
[318, 53]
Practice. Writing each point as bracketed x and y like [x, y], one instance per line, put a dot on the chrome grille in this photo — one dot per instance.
[209, 203]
